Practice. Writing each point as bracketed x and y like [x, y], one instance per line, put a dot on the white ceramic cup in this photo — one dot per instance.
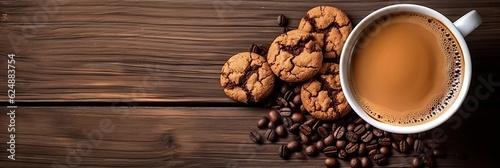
[460, 28]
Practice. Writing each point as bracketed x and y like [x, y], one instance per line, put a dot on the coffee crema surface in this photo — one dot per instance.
[406, 69]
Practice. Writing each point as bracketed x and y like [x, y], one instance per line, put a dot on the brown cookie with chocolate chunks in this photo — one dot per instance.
[246, 77]
[330, 26]
[322, 96]
[295, 56]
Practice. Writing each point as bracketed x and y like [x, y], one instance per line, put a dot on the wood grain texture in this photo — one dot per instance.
[169, 137]
[169, 51]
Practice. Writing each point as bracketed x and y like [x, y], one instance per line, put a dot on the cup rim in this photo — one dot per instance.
[345, 60]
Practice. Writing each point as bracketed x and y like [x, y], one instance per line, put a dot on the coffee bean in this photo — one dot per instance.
[263, 122]
[255, 137]
[351, 127]
[416, 162]
[282, 20]
[414, 135]
[365, 162]
[360, 129]
[292, 106]
[331, 162]
[271, 125]
[379, 159]
[303, 109]
[340, 144]
[330, 151]
[310, 122]
[334, 127]
[316, 125]
[397, 137]
[322, 132]
[285, 112]
[377, 132]
[271, 135]
[373, 144]
[282, 102]
[281, 131]
[274, 116]
[352, 148]
[297, 89]
[403, 146]
[306, 130]
[329, 140]
[385, 151]
[315, 137]
[432, 144]
[293, 146]
[395, 146]
[264, 48]
[299, 156]
[289, 95]
[339, 132]
[359, 120]
[284, 89]
[368, 126]
[283, 152]
[387, 134]
[254, 48]
[297, 99]
[384, 141]
[294, 128]
[362, 149]
[418, 146]
[327, 125]
[438, 153]
[427, 160]
[320, 145]
[351, 136]
[422, 135]
[367, 136]
[287, 122]
[373, 152]
[311, 151]
[298, 117]
[304, 139]
[342, 154]
[409, 140]
[355, 163]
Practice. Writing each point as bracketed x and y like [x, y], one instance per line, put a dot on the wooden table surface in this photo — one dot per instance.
[135, 83]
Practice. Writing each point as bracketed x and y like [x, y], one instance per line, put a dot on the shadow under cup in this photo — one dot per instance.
[405, 69]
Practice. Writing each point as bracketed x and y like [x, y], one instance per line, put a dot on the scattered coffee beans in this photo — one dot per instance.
[349, 138]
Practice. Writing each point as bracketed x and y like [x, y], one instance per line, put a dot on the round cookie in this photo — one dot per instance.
[322, 96]
[330, 26]
[246, 77]
[295, 56]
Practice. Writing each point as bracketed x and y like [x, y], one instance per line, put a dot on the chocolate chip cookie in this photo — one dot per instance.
[330, 26]
[322, 96]
[246, 77]
[295, 56]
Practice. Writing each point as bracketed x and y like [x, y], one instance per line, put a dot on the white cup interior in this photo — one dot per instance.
[345, 69]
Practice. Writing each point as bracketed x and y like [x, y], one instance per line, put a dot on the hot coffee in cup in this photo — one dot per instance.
[406, 68]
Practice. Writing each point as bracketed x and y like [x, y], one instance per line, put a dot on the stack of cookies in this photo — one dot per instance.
[307, 56]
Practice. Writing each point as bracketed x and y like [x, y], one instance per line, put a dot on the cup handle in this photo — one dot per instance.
[467, 23]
